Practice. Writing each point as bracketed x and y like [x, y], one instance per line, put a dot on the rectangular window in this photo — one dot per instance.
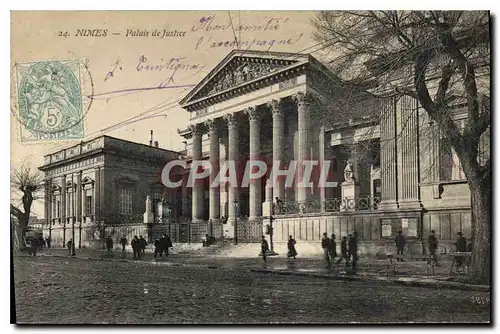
[88, 205]
[125, 201]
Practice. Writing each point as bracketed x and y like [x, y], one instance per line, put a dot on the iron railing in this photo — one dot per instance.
[330, 205]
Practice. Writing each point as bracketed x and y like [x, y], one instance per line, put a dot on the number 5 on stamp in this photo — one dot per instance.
[50, 100]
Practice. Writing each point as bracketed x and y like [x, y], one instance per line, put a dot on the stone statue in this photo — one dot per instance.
[349, 172]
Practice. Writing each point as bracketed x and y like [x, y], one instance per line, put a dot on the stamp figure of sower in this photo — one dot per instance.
[50, 97]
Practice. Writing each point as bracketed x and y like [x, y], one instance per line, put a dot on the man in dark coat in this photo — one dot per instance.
[142, 245]
[123, 242]
[157, 247]
[135, 247]
[400, 245]
[433, 245]
[461, 245]
[48, 241]
[343, 251]
[332, 249]
[109, 244]
[325, 245]
[264, 247]
[353, 249]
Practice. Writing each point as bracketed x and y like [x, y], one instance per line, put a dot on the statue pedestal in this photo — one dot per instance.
[149, 215]
[350, 194]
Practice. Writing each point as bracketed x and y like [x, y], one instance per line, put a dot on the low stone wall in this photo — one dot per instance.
[308, 229]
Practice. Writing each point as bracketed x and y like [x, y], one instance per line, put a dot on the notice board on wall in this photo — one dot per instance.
[390, 227]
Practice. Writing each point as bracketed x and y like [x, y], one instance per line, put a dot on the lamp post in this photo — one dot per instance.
[235, 203]
[270, 229]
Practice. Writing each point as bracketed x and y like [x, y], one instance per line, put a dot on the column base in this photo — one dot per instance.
[229, 229]
[197, 220]
[387, 205]
[410, 204]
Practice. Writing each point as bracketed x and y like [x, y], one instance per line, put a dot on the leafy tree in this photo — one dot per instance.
[439, 58]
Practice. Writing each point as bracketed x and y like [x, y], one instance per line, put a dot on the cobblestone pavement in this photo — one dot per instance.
[415, 268]
[66, 290]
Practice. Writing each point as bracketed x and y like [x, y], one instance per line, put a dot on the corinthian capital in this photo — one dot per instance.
[252, 113]
[230, 119]
[275, 107]
[196, 129]
[211, 125]
[302, 98]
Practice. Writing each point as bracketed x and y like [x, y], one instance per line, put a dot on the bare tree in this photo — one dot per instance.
[27, 183]
[439, 58]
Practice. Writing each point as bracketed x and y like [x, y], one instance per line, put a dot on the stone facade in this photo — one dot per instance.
[279, 115]
[101, 182]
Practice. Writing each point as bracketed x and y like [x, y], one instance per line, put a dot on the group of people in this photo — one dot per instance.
[461, 245]
[37, 243]
[348, 250]
[139, 244]
[162, 245]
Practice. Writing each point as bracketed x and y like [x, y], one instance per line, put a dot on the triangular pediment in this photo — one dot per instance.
[241, 67]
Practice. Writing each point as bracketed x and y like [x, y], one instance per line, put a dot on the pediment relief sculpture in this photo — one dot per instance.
[236, 73]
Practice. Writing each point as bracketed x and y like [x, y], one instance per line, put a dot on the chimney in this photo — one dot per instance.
[156, 143]
[151, 140]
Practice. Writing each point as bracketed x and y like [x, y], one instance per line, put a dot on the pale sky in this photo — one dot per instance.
[40, 36]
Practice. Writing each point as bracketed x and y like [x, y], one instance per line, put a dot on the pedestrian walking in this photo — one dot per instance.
[135, 247]
[400, 245]
[48, 241]
[433, 245]
[291, 248]
[33, 246]
[169, 244]
[40, 242]
[142, 245]
[343, 251]
[325, 244]
[461, 245]
[264, 247]
[109, 244]
[123, 242]
[332, 249]
[157, 247]
[353, 249]
[69, 244]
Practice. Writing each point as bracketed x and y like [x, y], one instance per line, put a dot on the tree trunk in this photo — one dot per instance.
[481, 250]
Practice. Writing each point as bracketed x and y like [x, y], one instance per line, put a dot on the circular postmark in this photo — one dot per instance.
[53, 98]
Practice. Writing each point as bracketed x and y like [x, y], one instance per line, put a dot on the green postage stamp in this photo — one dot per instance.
[50, 100]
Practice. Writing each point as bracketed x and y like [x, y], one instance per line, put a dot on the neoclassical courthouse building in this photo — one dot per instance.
[393, 169]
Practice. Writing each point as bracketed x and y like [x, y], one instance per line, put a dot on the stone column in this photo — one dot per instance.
[63, 207]
[103, 200]
[255, 185]
[197, 197]
[214, 162]
[79, 197]
[97, 195]
[322, 149]
[388, 158]
[184, 195]
[278, 146]
[47, 202]
[233, 190]
[303, 112]
[408, 174]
